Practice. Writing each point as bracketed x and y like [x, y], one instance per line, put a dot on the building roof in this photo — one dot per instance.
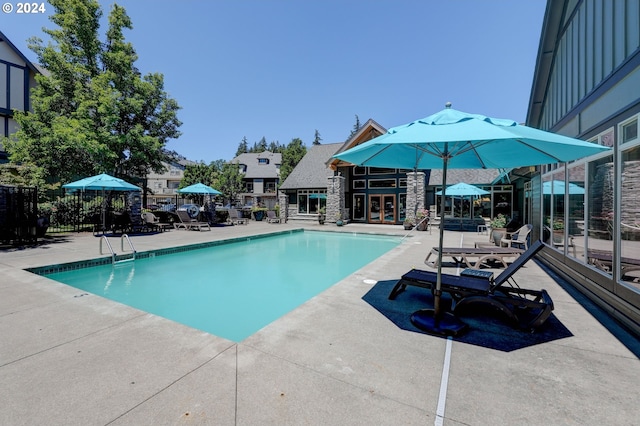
[27, 62]
[312, 170]
[470, 176]
[264, 164]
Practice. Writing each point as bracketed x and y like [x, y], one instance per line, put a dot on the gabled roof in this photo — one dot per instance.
[312, 171]
[368, 131]
[28, 64]
[256, 169]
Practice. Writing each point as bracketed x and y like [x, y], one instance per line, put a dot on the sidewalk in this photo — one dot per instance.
[348, 356]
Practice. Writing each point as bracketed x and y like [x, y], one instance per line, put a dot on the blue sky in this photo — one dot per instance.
[283, 69]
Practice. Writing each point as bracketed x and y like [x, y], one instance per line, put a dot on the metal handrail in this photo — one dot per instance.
[414, 228]
[113, 253]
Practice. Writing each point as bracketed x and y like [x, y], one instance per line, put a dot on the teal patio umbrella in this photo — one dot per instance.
[557, 187]
[102, 182]
[455, 139]
[464, 190]
[199, 188]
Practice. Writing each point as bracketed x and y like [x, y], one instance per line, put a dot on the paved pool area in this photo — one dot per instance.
[348, 356]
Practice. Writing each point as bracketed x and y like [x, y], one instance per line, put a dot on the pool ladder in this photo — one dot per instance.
[113, 253]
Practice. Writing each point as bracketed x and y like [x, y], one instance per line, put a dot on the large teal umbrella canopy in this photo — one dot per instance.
[466, 141]
[199, 188]
[459, 140]
[101, 182]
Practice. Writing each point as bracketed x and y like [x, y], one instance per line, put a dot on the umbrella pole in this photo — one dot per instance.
[434, 321]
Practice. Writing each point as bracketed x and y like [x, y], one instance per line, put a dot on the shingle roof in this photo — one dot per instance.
[470, 176]
[260, 170]
[312, 171]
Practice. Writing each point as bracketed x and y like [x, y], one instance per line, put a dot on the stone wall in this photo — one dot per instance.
[415, 194]
[336, 199]
[283, 201]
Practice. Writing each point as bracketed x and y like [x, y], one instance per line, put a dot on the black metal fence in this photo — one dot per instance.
[19, 220]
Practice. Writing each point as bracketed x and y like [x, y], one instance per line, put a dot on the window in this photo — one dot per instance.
[359, 184]
[382, 183]
[381, 171]
[359, 171]
[629, 130]
[263, 161]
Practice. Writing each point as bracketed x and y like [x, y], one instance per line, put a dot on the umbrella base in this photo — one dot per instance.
[445, 324]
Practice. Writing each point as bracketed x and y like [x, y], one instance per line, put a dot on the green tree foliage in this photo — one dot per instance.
[317, 138]
[291, 157]
[356, 127]
[93, 111]
[198, 173]
[230, 181]
[243, 147]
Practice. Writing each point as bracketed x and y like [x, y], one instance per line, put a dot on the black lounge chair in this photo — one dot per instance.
[529, 309]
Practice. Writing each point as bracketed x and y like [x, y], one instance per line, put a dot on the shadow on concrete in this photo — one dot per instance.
[486, 328]
[42, 242]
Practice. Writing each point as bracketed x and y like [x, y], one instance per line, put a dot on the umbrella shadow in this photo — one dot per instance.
[486, 328]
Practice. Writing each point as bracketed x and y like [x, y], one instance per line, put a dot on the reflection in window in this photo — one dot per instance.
[381, 171]
[600, 217]
[630, 217]
[359, 184]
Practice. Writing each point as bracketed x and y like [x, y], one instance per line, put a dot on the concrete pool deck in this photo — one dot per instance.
[345, 357]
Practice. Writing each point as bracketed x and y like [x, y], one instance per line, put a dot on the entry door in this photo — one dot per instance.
[382, 208]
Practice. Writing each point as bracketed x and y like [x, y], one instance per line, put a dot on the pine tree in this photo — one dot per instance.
[317, 138]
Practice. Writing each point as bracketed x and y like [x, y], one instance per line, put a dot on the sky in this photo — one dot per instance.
[284, 69]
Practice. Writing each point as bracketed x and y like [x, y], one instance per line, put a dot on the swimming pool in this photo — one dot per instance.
[232, 289]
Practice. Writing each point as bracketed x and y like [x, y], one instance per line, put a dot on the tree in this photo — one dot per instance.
[243, 147]
[230, 181]
[197, 173]
[317, 138]
[356, 127]
[93, 111]
[291, 157]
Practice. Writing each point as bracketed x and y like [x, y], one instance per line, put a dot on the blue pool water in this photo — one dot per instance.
[232, 290]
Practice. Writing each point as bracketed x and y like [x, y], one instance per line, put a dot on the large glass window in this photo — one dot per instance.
[310, 202]
[630, 218]
[600, 214]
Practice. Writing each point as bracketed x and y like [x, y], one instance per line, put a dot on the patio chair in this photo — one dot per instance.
[236, 217]
[153, 222]
[188, 223]
[519, 238]
[529, 309]
[271, 217]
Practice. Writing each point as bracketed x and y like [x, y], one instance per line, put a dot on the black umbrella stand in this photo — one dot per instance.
[435, 321]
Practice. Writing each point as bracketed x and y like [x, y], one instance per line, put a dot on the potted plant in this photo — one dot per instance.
[408, 224]
[259, 213]
[422, 220]
[339, 221]
[322, 215]
[498, 228]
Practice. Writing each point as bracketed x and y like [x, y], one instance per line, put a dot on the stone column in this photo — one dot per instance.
[415, 194]
[283, 202]
[335, 199]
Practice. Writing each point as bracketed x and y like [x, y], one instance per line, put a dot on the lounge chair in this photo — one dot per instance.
[153, 222]
[527, 308]
[519, 238]
[188, 223]
[484, 255]
[236, 217]
[271, 217]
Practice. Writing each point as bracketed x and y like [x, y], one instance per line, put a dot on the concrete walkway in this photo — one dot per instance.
[348, 356]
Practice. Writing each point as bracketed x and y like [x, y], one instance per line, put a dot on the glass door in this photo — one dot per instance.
[375, 210]
[382, 208]
[389, 204]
